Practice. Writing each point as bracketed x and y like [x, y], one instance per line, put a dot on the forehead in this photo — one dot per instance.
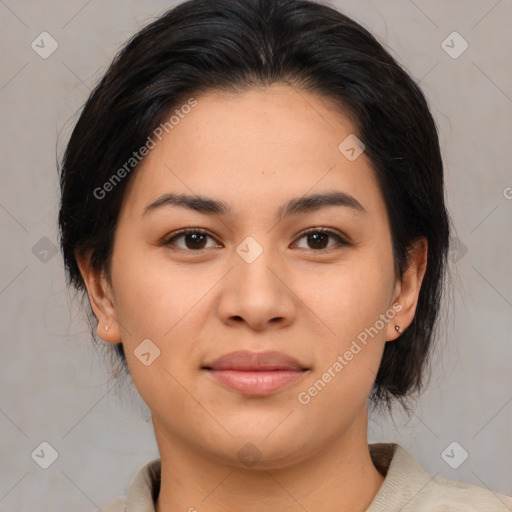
[267, 144]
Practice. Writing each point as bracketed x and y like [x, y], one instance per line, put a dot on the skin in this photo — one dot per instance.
[256, 151]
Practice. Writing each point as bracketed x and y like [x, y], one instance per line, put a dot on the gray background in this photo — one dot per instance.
[55, 386]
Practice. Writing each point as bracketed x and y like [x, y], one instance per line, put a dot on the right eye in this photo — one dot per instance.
[194, 239]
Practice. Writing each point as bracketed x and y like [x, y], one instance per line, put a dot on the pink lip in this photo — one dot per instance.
[256, 373]
[245, 360]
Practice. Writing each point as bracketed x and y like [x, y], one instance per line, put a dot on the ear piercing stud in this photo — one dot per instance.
[106, 327]
[398, 328]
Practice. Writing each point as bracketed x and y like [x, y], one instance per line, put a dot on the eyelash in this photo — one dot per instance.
[341, 241]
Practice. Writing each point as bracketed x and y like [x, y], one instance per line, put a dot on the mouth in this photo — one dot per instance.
[255, 373]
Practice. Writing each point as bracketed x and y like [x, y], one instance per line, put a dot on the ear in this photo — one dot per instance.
[408, 289]
[101, 298]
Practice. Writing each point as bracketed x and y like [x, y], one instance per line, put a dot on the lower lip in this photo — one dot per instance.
[257, 383]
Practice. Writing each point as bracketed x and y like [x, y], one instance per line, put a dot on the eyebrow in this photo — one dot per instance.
[208, 206]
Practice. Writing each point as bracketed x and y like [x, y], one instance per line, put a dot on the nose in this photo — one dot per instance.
[258, 293]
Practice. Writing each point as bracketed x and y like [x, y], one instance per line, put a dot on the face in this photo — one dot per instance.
[250, 277]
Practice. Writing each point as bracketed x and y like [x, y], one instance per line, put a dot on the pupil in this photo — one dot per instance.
[196, 239]
[315, 235]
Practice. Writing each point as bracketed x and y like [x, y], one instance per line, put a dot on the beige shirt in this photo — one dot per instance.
[406, 488]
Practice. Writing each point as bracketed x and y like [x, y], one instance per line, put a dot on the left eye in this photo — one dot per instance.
[319, 236]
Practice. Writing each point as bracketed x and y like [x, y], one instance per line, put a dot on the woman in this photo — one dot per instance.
[253, 200]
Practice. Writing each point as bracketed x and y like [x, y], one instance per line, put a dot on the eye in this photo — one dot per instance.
[318, 237]
[194, 239]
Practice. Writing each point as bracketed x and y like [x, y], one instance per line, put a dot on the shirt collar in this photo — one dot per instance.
[144, 488]
[393, 461]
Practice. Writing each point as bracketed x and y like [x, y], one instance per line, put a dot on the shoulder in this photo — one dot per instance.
[443, 495]
[408, 487]
[142, 491]
[115, 506]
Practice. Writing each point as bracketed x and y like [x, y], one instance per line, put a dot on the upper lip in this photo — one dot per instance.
[255, 361]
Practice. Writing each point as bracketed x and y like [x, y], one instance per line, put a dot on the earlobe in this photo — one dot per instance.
[409, 287]
[100, 298]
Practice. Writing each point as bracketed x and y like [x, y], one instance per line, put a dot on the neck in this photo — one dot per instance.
[339, 475]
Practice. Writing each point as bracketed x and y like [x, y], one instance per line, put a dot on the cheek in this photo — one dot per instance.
[153, 295]
[156, 304]
[161, 302]
[347, 303]
[349, 341]
[346, 298]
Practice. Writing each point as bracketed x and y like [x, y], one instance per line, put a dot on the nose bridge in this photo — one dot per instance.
[255, 260]
[254, 291]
